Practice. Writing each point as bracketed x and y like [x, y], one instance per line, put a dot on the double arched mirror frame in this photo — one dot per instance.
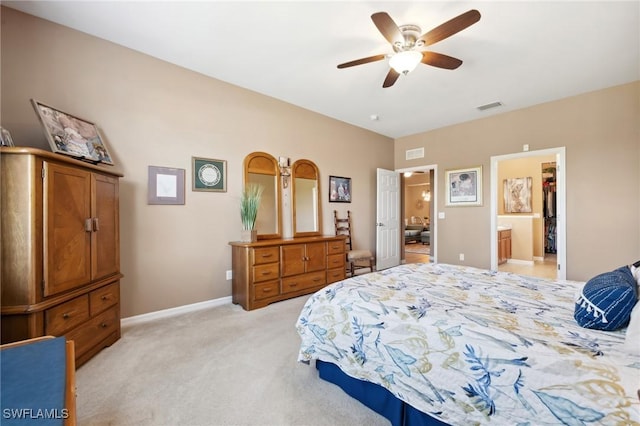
[262, 169]
[307, 220]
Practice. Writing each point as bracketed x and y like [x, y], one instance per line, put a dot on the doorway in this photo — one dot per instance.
[417, 212]
[527, 228]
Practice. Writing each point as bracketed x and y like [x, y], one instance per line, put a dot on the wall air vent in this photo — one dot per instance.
[489, 106]
[412, 154]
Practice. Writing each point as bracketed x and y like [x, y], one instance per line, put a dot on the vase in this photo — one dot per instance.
[249, 235]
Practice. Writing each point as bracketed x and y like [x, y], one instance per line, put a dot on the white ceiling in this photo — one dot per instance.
[520, 52]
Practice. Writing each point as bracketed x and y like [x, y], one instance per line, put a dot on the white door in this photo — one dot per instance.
[388, 219]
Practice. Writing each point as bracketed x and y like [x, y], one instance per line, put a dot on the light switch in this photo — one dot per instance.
[440, 215]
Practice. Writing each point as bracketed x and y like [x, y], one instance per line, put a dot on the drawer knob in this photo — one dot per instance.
[267, 255]
[105, 297]
[104, 325]
[65, 316]
[266, 273]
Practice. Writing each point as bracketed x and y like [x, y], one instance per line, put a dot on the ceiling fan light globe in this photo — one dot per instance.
[405, 62]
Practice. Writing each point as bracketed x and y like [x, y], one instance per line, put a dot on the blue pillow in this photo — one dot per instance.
[607, 300]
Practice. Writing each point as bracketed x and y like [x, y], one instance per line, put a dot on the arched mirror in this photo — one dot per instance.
[306, 199]
[262, 169]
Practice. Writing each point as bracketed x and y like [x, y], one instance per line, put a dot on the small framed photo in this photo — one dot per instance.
[71, 135]
[5, 137]
[464, 187]
[339, 189]
[166, 185]
[209, 174]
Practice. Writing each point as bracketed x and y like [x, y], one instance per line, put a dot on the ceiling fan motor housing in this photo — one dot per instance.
[410, 33]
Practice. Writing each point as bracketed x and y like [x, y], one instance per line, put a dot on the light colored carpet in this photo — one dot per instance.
[217, 366]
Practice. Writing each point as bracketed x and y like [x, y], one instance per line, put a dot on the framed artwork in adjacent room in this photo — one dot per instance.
[209, 174]
[71, 135]
[339, 189]
[464, 187]
[165, 185]
[517, 195]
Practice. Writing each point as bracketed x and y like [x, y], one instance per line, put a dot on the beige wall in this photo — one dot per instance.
[601, 133]
[154, 113]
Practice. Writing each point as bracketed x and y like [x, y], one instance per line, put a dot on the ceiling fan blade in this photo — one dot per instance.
[362, 61]
[441, 61]
[387, 27]
[450, 27]
[391, 78]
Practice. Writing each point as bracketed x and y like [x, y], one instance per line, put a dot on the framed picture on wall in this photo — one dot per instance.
[339, 189]
[165, 185]
[209, 175]
[517, 195]
[464, 187]
[71, 135]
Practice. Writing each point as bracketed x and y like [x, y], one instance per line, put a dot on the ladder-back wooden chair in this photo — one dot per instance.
[356, 259]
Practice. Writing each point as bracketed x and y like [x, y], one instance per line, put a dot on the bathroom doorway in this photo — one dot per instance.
[534, 223]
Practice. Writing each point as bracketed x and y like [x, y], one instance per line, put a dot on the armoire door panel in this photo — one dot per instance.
[67, 245]
[105, 243]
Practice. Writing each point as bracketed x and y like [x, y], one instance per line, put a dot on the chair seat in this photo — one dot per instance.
[359, 254]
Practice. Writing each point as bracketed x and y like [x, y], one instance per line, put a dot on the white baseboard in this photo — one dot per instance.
[520, 262]
[166, 313]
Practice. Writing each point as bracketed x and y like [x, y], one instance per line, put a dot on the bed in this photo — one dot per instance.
[438, 344]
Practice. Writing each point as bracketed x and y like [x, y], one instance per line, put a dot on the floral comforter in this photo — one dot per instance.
[471, 346]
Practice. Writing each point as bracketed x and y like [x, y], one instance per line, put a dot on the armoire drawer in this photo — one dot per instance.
[64, 317]
[102, 298]
[95, 330]
[304, 281]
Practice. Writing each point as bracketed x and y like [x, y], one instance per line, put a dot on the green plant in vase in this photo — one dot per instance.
[249, 204]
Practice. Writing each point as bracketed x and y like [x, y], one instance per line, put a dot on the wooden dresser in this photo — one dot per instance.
[60, 250]
[268, 271]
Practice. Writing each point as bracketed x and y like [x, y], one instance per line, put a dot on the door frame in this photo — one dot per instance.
[561, 214]
[433, 221]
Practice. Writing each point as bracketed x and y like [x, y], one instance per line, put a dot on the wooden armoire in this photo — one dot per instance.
[60, 250]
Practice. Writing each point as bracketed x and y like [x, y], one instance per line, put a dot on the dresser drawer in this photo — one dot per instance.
[266, 290]
[66, 316]
[102, 298]
[334, 275]
[335, 260]
[334, 247]
[266, 255]
[265, 272]
[95, 330]
[304, 281]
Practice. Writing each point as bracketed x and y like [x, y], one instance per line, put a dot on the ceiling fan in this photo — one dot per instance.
[408, 44]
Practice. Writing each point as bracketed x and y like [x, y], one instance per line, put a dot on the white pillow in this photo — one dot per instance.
[636, 274]
[632, 340]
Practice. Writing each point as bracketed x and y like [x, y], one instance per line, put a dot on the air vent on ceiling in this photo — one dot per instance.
[412, 154]
[489, 106]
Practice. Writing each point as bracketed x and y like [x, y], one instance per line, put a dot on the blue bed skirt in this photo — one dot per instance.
[380, 400]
